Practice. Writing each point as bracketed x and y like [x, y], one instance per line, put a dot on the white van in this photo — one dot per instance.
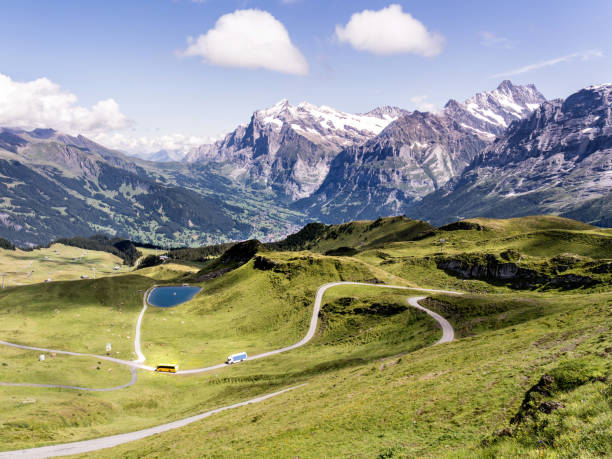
[236, 358]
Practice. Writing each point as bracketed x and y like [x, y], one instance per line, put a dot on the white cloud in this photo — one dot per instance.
[389, 31]
[489, 39]
[249, 39]
[133, 144]
[583, 55]
[421, 104]
[43, 104]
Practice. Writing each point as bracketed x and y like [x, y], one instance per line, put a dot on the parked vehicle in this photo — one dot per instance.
[236, 358]
[167, 368]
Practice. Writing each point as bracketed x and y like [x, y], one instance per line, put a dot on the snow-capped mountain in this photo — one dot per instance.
[416, 154]
[289, 148]
[412, 157]
[489, 113]
[558, 160]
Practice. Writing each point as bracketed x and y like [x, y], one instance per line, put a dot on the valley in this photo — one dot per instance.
[305, 229]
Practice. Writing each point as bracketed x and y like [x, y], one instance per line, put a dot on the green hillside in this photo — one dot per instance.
[348, 237]
[535, 315]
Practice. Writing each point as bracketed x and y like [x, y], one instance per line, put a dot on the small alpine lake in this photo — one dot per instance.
[167, 297]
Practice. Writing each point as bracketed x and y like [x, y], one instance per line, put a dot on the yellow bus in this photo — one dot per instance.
[166, 368]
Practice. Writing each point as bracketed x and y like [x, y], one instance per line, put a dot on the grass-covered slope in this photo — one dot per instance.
[375, 388]
[57, 262]
[76, 316]
[488, 255]
[346, 238]
[444, 401]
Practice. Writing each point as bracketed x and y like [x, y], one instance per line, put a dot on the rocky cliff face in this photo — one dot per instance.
[489, 268]
[415, 155]
[559, 160]
[411, 158]
[289, 148]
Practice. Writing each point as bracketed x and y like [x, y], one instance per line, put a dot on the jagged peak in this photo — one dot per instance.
[452, 103]
[506, 84]
[386, 111]
[277, 108]
[284, 102]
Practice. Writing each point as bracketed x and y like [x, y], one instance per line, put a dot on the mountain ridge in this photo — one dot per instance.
[289, 148]
[415, 155]
[555, 161]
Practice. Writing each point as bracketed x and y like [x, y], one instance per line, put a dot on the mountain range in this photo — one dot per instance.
[505, 152]
[289, 149]
[556, 161]
[416, 155]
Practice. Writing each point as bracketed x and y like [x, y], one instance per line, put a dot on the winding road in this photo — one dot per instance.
[114, 440]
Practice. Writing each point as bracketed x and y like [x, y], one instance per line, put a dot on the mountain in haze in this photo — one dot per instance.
[288, 149]
[558, 160]
[163, 156]
[55, 185]
[415, 155]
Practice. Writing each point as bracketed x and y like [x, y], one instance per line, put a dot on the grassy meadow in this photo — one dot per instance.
[375, 387]
[58, 263]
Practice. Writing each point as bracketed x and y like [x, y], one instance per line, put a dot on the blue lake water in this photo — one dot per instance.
[166, 297]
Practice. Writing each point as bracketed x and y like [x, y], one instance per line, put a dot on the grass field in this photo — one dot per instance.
[58, 263]
[374, 386]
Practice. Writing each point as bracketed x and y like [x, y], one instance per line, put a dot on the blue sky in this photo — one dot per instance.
[130, 51]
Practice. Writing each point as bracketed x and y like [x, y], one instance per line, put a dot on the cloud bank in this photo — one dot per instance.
[43, 104]
[490, 40]
[389, 31]
[179, 143]
[422, 103]
[249, 39]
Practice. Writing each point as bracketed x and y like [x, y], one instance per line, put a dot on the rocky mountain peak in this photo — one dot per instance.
[487, 114]
[452, 104]
[558, 160]
[289, 148]
[387, 111]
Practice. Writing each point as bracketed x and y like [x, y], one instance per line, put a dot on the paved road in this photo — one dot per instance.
[448, 334]
[81, 447]
[139, 354]
[447, 329]
[129, 363]
[139, 363]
